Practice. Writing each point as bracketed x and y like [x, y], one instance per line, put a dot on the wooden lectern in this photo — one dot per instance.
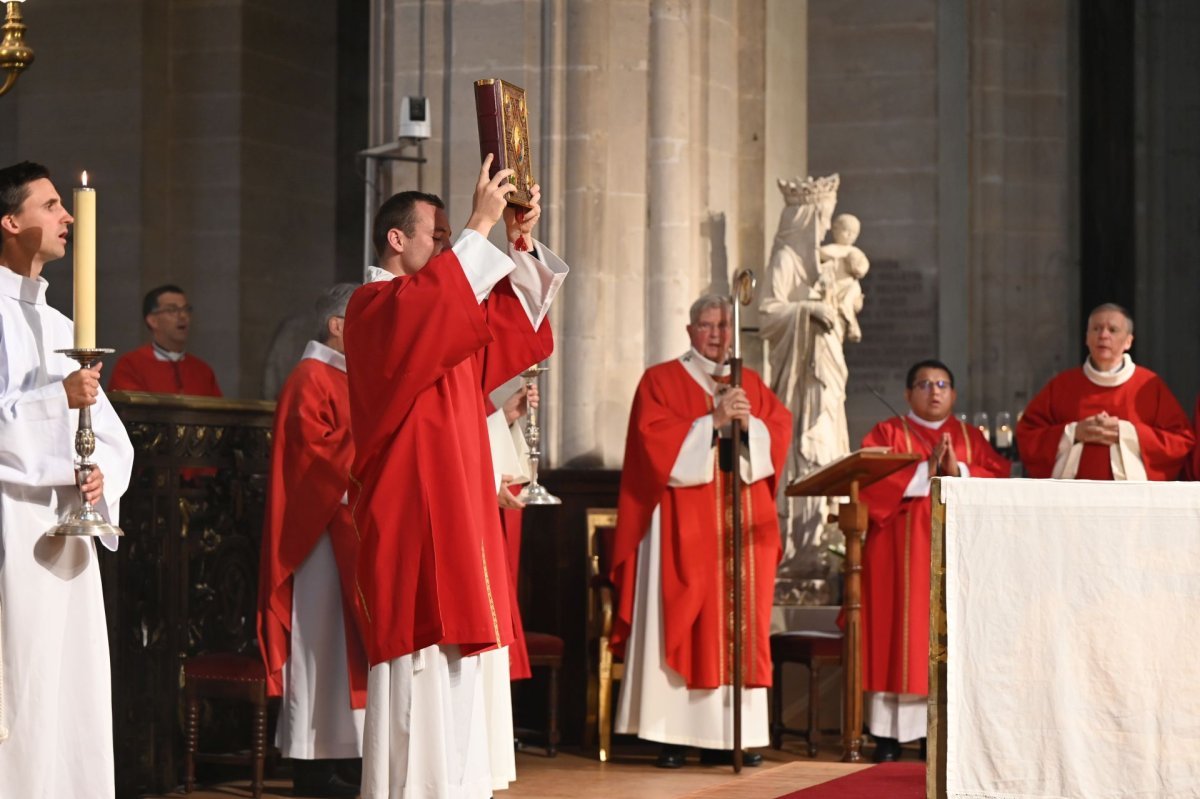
[843, 478]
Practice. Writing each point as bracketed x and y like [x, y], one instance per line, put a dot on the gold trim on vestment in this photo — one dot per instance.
[907, 597]
[362, 598]
[487, 585]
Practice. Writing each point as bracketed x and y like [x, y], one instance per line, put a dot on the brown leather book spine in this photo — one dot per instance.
[488, 108]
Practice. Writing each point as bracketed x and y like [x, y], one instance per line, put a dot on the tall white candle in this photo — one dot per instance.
[85, 266]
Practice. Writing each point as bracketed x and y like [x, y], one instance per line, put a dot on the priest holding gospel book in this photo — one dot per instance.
[895, 612]
[434, 329]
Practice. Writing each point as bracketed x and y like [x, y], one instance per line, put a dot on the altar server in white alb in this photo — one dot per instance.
[56, 737]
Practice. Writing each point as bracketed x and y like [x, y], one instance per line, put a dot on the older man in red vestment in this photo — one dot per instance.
[307, 629]
[1107, 420]
[895, 600]
[672, 552]
[164, 366]
[432, 331]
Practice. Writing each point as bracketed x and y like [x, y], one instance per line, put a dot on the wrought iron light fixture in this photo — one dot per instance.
[15, 55]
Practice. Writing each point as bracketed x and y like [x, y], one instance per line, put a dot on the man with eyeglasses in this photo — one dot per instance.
[895, 613]
[164, 366]
[672, 554]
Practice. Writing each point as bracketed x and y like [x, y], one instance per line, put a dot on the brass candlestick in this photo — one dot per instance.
[15, 55]
[87, 520]
[535, 493]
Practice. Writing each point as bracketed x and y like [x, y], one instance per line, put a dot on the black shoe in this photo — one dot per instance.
[318, 778]
[349, 770]
[724, 757]
[671, 756]
[887, 750]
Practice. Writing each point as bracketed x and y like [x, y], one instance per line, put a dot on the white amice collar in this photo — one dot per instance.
[928, 425]
[325, 354]
[703, 371]
[1113, 377]
[375, 274]
[710, 368]
[164, 354]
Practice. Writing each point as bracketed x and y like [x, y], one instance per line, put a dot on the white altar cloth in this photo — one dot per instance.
[1073, 628]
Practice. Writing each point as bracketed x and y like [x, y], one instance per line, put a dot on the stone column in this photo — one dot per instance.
[668, 289]
[587, 126]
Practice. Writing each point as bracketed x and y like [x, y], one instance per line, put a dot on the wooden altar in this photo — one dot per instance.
[185, 578]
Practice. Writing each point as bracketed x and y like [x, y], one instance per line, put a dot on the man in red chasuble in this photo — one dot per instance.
[435, 329]
[1107, 420]
[673, 548]
[164, 366]
[895, 598]
[307, 629]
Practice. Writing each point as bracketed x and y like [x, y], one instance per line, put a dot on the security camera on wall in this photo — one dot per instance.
[414, 118]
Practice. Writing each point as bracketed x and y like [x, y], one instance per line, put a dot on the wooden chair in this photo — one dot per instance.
[814, 650]
[603, 669]
[546, 651]
[240, 678]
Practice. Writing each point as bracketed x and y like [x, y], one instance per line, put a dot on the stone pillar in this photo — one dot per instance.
[587, 124]
[668, 288]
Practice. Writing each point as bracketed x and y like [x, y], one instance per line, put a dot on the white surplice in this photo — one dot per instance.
[655, 702]
[56, 737]
[432, 721]
[316, 721]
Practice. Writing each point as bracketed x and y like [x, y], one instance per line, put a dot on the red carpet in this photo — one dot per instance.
[885, 781]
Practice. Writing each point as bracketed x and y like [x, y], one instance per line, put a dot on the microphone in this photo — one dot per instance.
[879, 397]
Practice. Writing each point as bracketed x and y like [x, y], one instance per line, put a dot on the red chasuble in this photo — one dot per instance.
[895, 600]
[310, 474]
[432, 562]
[1163, 431]
[139, 370]
[697, 532]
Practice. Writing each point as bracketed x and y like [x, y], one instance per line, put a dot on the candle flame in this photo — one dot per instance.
[84, 178]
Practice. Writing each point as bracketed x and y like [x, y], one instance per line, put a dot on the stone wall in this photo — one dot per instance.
[951, 126]
[652, 127]
[208, 129]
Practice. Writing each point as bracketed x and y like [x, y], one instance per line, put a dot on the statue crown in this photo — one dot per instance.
[809, 190]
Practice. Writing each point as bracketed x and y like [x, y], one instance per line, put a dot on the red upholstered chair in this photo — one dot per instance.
[546, 651]
[814, 650]
[240, 678]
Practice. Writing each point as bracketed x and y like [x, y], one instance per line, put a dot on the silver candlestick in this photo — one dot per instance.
[87, 520]
[535, 493]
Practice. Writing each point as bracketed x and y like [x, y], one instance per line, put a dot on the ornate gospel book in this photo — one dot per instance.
[504, 132]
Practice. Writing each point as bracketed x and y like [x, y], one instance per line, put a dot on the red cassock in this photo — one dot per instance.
[310, 474]
[139, 370]
[1163, 431]
[432, 565]
[895, 601]
[697, 544]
